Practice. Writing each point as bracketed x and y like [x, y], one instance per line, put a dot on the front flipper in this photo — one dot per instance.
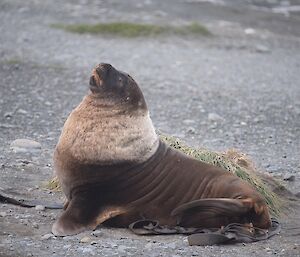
[213, 212]
[81, 215]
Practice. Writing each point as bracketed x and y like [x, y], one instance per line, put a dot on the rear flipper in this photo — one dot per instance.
[81, 215]
[216, 212]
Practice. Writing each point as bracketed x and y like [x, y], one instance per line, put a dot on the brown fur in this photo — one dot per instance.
[113, 169]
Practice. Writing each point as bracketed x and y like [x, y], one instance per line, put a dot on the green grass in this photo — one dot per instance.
[232, 161]
[126, 29]
[33, 64]
[12, 61]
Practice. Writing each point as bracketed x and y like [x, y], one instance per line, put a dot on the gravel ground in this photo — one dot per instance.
[238, 89]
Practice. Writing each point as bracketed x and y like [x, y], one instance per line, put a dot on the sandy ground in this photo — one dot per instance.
[238, 89]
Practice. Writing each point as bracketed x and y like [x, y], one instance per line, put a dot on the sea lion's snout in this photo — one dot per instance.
[99, 76]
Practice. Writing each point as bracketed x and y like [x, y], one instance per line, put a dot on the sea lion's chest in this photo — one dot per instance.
[91, 135]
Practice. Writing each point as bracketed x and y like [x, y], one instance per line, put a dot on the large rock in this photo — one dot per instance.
[25, 146]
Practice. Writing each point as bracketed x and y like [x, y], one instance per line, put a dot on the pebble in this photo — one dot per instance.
[214, 117]
[22, 111]
[191, 130]
[40, 207]
[97, 233]
[262, 49]
[35, 225]
[85, 239]
[90, 250]
[47, 236]
[122, 248]
[171, 245]
[148, 246]
[188, 121]
[3, 214]
[249, 31]
[289, 177]
[8, 115]
[69, 238]
[25, 146]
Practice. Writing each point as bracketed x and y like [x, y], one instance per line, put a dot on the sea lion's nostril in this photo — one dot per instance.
[92, 81]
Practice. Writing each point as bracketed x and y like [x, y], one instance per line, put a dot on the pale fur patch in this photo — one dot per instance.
[100, 134]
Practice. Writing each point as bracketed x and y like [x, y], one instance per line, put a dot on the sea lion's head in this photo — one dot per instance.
[117, 86]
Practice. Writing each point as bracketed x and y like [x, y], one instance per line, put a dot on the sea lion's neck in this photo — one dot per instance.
[99, 132]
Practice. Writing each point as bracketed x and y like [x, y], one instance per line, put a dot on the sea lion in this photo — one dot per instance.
[114, 169]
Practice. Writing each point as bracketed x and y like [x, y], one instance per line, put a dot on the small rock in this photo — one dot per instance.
[97, 233]
[69, 238]
[24, 221]
[172, 245]
[188, 121]
[89, 250]
[148, 246]
[35, 225]
[268, 249]
[214, 117]
[40, 207]
[191, 130]
[22, 111]
[85, 239]
[160, 13]
[47, 236]
[3, 214]
[249, 31]
[8, 115]
[289, 177]
[122, 248]
[258, 119]
[67, 246]
[262, 49]
[25, 146]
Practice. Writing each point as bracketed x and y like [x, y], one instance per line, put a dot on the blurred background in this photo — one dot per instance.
[218, 74]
